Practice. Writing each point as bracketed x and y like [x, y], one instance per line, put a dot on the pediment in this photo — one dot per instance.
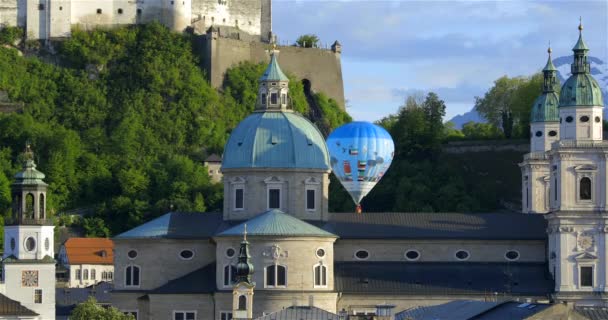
[237, 180]
[585, 256]
[273, 179]
[585, 167]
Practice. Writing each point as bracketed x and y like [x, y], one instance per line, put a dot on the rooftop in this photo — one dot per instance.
[177, 225]
[89, 251]
[10, 307]
[300, 313]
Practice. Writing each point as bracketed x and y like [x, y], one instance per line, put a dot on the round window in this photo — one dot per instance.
[13, 244]
[230, 253]
[584, 119]
[186, 254]
[598, 119]
[320, 253]
[539, 133]
[412, 255]
[30, 244]
[132, 254]
[47, 244]
[512, 255]
[552, 133]
[362, 254]
[462, 255]
[569, 119]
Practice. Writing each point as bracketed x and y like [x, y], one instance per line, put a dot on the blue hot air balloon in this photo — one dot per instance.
[361, 152]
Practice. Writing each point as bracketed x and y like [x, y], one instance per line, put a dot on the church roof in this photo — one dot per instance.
[442, 278]
[437, 225]
[198, 281]
[273, 71]
[581, 89]
[276, 140]
[299, 313]
[10, 307]
[545, 109]
[177, 225]
[66, 299]
[89, 251]
[276, 223]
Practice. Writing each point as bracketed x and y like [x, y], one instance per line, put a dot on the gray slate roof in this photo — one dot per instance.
[592, 312]
[300, 313]
[198, 281]
[276, 223]
[66, 299]
[470, 310]
[9, 307]
[512, 310]
[213, 158]
[398, 225]
[443, 278]
[177, 225]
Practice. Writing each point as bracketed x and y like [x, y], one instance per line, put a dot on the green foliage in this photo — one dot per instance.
[333, 115]
[508, 103]
[95, 227]
[90, 310]
[308, 41]
[9, 35]
[481, 131]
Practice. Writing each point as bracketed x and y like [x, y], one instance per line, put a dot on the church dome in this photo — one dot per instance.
[276, 139]
[544, 108]
[581, 89]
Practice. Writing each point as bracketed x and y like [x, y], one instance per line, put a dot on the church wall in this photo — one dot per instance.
[128, 301]
[15, 290]
[536, 181]
[320, 66]
[293, 192]
[159, 260]
[440, 250]
[298, 255]
[162, 306]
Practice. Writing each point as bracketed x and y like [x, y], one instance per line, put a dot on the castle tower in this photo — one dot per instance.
[578, 218]
[242, 293]
[29, 267]
[544, 127]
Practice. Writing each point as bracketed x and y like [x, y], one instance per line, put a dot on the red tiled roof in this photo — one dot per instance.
[89, 251]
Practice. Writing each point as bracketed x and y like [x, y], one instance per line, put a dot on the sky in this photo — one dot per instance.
[454, 48]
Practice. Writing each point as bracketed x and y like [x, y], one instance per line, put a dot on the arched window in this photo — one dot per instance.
[276, 276]
[77, 274]
[41, 207]
[110, 275]
[229, 275]
[132, 276]
[104, 275]
[585, 188]
[85, 274]
[92, 274]
[29, 206]
[242, 303]
[320, 273]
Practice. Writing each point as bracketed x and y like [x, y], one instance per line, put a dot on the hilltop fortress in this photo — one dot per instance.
[232, 31]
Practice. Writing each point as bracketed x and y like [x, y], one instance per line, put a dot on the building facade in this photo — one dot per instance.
[28, 267]
[88, 261]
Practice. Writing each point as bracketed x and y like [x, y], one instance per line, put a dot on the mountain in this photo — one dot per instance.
[599, 70]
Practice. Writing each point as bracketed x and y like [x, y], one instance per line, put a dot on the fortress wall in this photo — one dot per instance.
[321, 67]
[9, 13]
[245, 15]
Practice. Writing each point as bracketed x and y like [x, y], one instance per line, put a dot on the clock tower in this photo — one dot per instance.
[28, 264]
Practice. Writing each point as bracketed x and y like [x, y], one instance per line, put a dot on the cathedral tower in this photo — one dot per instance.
[242, 293]
[29, 267]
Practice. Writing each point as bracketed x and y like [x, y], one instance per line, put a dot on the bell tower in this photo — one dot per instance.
[242, 294]
[273, 87]
[28, 264]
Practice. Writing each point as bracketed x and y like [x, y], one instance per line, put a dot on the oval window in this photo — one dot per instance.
[539, 133]
[13, 244]
[47, 244]
[462, 255]
[186, 254]
[30, 244]
[412, 255]
[230, 253]
[584, 119]
[132, 254]
[362, 254]
[569, 119]
[552, 133]
[512, 255]
[598, 119]
[320, 253]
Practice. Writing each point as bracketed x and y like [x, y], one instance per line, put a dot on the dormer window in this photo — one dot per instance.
[273, 98]
[263, 99]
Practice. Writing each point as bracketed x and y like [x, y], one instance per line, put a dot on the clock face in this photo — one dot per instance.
[585, 242]
[29, 278]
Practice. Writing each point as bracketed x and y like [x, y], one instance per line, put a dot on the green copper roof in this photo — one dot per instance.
[580, 44]
[273, 72]
[276, 140]
[581, 89]
[549, 66]
[544, 108]
[177, 225]
[276, 223]
[29, 175]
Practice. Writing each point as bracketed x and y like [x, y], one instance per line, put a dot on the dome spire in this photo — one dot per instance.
[580, 64]
[244, 267]
[549, 73]
[273, 86]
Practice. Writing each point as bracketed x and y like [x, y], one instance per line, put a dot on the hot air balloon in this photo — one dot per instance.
[361, 152]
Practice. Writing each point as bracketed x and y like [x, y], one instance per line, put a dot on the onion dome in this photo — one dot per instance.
[544, 108]
[244, 267]
[581, 89]
[29, 175]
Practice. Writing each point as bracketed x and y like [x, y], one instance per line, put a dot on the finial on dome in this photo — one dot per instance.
[245, 233]
[549, 49]
[580, 24]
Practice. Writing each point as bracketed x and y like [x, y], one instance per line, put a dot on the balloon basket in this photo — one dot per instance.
[358, 209]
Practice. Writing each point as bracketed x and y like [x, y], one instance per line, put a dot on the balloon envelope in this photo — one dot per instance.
[361, 152]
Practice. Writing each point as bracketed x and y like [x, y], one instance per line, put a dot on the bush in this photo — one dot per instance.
[9, 35]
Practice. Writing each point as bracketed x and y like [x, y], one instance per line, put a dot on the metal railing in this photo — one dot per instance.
[581, 144]
[33, 222]
[536, 156]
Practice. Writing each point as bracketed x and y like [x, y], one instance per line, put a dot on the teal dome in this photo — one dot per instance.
[276, 140]
[29, 175]
[544, 108]
[580, 89]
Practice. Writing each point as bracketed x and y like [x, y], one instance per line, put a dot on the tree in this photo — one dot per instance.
[308, 41]
[481, 131]
[95, 227]
[90, 310]
[8, 35]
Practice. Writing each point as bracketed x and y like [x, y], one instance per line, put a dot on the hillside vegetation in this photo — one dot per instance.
[122, 121]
